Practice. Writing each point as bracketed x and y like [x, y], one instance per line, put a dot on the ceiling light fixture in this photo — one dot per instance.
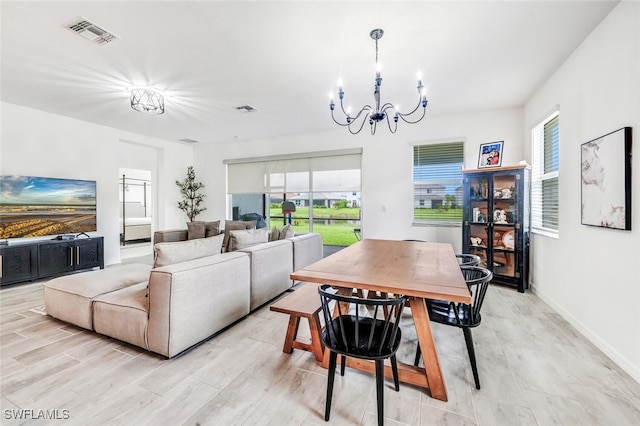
[147, 100]
[378, 113]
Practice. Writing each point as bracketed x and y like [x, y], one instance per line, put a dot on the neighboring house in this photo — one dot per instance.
[327, 199]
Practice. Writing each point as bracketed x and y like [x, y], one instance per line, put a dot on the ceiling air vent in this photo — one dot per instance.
[246, 108]
[91, 31]
[187, 140]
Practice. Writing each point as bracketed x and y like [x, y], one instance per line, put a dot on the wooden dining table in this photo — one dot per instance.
[418, 270]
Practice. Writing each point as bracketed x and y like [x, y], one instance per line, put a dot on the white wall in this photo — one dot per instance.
[589, 274]
[387, 161]
[37, 143]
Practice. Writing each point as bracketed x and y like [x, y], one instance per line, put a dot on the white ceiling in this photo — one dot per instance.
[283, 58]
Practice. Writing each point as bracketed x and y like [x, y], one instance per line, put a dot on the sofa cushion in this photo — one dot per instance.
[212, 228]
[170, 236]
[196, 230]
[170, 253]
[232, 225]
[70, 297]
[286, 232]
[243, 238]
[123, 314]
[274, 235]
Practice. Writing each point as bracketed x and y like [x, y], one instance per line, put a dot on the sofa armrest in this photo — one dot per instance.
[170, 236]
[307, 249]
[271, 268]
[192, 300]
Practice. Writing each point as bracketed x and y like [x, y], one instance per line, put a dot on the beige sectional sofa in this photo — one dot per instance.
[168, 309]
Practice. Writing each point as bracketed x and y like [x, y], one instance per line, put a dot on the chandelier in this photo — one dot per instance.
[147, 100]
[378, 113]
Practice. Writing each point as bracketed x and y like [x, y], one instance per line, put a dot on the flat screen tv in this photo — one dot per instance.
[39, 206]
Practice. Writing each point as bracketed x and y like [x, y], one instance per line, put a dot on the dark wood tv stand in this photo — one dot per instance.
[28, 261]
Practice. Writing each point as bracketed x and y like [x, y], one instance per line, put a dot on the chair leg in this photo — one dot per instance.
[380, 390]
[343, 364]
[332, 372]
[418, 354]
[394, 368]
[472, 355]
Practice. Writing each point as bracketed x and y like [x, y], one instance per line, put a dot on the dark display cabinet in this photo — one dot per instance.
[496, 221]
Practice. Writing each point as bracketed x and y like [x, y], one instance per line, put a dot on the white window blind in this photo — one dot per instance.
[326, 173]
[437, 183]
[545, 200]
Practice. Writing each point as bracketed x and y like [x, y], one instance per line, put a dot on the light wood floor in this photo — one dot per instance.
[535, 369]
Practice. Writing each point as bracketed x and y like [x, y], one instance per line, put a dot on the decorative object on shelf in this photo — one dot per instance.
[147, 100]
[500, 217]
[378, 113]
[508, 240]
[476, 241]
[606, 180]
[490, 154]
[192, 199]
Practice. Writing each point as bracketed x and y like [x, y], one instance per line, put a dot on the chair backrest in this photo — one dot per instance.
[477, 279]
[466, 259]
[462, 314]
[362, 328]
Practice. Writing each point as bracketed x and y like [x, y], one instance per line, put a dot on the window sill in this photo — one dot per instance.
[438, 224]
[546, 233]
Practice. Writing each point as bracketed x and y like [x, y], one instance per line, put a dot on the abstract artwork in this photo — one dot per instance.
[606, 180]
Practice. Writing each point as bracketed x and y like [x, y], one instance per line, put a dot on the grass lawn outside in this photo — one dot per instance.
[338, 233]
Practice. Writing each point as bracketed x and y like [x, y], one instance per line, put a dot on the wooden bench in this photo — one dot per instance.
[303, 302]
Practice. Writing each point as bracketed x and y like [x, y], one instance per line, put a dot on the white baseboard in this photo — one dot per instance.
[622, 361]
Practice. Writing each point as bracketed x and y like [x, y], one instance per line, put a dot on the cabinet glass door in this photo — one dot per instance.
[504, 225]
[479, 217]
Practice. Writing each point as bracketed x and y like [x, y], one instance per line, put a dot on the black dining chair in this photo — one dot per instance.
[362, 328]
[467, 259]
[461, 315]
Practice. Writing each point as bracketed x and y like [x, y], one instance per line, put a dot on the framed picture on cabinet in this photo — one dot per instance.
[490, 154]
[606, 180]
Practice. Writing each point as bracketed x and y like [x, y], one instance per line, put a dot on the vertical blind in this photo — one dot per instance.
[437, 181]
[545, 200]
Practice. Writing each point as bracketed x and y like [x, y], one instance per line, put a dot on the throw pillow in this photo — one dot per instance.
[241, 239]
[275, 233]
[212, 228]
[195, 230]
[233, 225]
[170, 253]
[286, 232]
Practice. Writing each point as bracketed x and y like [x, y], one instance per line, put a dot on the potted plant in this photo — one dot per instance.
[192, 199]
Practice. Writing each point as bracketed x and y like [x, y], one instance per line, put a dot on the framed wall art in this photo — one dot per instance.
[490, 154]
[606, 180]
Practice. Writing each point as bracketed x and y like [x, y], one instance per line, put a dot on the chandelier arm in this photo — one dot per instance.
[424, 110]
[366, 107]
[337, 122]
[395, 127]
[357, 131]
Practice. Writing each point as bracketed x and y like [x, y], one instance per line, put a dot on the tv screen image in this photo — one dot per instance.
[39, 206]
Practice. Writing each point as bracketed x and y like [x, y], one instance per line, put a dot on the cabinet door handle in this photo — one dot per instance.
[70, 256]
[0, 266]
[78, 255]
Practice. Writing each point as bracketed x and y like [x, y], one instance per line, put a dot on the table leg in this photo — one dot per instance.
[428, 348]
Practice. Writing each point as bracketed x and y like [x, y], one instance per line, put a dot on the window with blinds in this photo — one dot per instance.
[437, 183]
[545, 200]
